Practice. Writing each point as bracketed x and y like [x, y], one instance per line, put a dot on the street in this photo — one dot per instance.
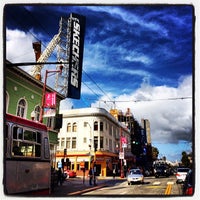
[116, 187]
[151, 186]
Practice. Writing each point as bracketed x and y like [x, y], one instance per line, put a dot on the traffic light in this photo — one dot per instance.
[65, 152]
[95, 147]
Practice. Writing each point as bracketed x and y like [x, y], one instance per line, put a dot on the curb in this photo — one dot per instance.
[86, 190]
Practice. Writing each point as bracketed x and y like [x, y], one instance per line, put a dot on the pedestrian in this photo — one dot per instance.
[114, 173]
[90, 176]
[60, 176]
[94, 176]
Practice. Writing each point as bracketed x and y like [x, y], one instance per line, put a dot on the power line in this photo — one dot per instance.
[91, 89]
[97, 85]
[124, 101]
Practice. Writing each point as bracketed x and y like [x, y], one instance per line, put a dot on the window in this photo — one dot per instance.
[62, 143]
[101, 142]
[110, 130]
[68, 142]
[21, 108]
[95, 126]
[50, 122]
[7, 101]
[26, 142]
[69, 127]
[37, 113]
[84, 140]
[101, 126]
[74, 143]
[110, 144]
[96, 141]
[74, 129]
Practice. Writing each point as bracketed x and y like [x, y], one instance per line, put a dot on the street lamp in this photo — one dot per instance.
[90, 142]
[44, 90]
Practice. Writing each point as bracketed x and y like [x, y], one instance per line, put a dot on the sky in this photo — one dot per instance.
[135, 56]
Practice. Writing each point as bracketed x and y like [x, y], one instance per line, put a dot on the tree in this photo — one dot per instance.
[155, 153]
[185, 160]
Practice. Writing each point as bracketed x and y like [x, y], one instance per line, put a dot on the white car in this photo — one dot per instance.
[181, 174]
[134, 176]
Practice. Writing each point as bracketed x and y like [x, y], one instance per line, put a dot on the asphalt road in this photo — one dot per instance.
[151, 187]
[118, 187]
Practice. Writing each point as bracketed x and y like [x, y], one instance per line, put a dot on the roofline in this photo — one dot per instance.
[87, 112]
[32, 79]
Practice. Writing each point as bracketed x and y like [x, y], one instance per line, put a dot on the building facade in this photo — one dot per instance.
[92, 135]
[23, 96]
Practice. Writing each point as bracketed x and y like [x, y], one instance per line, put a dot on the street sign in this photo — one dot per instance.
[121, 155]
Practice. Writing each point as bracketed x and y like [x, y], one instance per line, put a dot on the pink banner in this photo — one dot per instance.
[123, 140]
[50, 100]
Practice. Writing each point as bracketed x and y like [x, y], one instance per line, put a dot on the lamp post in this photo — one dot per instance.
[90, 143]
[121, 151]
[44, 90]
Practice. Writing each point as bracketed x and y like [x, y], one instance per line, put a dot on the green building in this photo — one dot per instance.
[23, 97]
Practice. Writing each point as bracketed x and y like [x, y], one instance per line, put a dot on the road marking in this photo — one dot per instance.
[154, 186]
[156, 183]
[168, 189]
[170, 182]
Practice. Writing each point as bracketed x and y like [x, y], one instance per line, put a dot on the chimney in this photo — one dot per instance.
[37, 49]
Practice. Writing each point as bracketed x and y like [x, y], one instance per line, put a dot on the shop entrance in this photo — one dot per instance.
[98, 169]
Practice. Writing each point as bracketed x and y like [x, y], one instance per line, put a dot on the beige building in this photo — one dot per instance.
[82, 130]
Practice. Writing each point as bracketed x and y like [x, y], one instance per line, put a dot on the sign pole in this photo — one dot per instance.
[44, 91]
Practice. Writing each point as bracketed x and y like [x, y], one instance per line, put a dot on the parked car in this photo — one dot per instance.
[70, 173]
[181, 174]
[135, 175]
[161, 170]
[188, 186]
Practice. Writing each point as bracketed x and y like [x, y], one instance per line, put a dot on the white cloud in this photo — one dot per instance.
[171, 120]
[66, 104]
[19, 46]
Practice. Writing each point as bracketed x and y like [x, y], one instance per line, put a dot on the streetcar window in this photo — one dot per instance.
[38, 137]
[26, 142]
[17, 133]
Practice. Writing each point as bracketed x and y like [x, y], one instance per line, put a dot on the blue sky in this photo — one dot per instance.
[135, 56]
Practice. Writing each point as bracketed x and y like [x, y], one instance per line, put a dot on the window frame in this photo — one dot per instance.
[21, 108]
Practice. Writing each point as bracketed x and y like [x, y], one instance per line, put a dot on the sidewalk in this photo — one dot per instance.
[76, 186]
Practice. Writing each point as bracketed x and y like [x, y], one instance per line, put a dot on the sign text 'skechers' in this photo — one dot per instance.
[77, 24]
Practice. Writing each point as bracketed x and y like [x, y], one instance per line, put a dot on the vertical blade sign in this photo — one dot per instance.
[77, 24]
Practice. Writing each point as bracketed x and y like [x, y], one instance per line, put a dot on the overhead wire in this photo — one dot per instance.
[143, 100]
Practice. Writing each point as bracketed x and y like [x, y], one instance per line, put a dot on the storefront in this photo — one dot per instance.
[103, 161]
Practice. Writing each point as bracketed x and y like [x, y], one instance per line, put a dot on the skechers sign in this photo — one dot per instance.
[77, 24]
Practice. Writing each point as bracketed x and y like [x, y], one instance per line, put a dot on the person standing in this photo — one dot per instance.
[60, 178]
[114, 173]
[90, 176]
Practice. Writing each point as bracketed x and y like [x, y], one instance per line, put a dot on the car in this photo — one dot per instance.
[188, 186]
[70, 173]
[181, 174]
[161, 170]
[135, 175]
